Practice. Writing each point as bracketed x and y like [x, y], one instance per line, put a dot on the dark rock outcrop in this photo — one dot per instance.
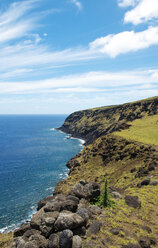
[144, 242]
[66, 239]
[133, 201]
[53, 241]
[68, 220]
[94, 227]
[87, 191]
[76, 242]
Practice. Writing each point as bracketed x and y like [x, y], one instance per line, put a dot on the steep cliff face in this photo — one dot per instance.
[93, 123]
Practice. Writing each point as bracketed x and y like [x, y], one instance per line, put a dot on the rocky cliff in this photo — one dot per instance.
[94, 123]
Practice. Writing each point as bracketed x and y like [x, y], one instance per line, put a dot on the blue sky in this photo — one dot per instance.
[60, 56]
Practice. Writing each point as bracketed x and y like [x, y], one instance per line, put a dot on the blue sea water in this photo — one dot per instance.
[32, 160]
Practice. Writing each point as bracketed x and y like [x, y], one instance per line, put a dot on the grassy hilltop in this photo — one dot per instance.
[122, 147]
[94, 123]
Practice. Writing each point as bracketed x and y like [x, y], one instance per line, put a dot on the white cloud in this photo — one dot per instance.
[124, 42]
[127, 3]
[77, 3]
[86, 82]
[146, 10]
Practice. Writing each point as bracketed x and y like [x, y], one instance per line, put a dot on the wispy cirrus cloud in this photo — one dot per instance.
[84, 82]
[14, 22]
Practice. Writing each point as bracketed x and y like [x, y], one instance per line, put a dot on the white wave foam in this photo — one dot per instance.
[52, 129]
[82, 142]
[50, 189]
[61, 131]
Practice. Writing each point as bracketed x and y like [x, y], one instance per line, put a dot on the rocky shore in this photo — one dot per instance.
[61, 220]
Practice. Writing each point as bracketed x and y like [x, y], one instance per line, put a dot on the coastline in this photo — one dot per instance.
[13, 227]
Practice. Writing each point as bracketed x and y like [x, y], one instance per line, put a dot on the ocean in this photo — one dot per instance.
[33, 156]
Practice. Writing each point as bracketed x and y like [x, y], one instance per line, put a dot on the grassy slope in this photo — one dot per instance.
[144, 130]
[5, 240]
[117, 171]
[113, 157]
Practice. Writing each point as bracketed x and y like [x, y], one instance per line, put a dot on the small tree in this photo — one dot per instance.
[106, 194]
[104, 199]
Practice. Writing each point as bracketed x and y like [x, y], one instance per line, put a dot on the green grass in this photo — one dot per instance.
[144, 130]
[5, 240]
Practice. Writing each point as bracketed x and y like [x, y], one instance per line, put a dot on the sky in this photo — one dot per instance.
[61, 56]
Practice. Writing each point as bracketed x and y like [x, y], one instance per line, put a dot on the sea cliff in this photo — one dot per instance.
[122, 149]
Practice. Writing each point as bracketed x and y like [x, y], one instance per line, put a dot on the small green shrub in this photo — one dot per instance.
[104, 199]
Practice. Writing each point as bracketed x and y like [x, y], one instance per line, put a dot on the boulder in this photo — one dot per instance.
[142, 172]
[73, 163]
[145, 182]
[68, 220]
[31, 232]
[116, 194]
[94, 210]
[80, 231]
[18, 243]
[78, 191]
[54, 198]
[133, 201]
[144, 242]
[83, 204]
[151, 167]
[93, 190]
[83, 182]
[44, 201]
[154, 183]
[47, 223]
[30, 245]
[133, 170]
[84, 213]
[53, 206]
[39, 240]
[87, 191]
[76, 242]
[53, 241]
[94, 227]
[69, 205]
[115, 231]
[65, 240]
[73, 198]
[36, 219]
[22, 229]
